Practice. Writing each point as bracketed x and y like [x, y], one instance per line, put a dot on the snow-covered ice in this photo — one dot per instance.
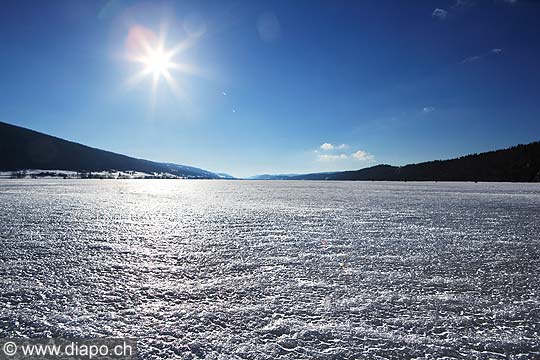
[275, 270]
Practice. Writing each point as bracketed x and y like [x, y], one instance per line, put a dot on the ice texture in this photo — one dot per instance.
[199, 269]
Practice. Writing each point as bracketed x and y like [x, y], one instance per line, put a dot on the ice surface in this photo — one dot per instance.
[275, 270]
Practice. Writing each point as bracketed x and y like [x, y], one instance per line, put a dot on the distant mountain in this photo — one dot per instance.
[520, 163]
[175, 168]
[272, 177]
[23, 149]
[225, 176]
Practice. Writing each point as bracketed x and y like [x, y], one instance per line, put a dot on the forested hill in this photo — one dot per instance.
[519, 163]
[22, 149]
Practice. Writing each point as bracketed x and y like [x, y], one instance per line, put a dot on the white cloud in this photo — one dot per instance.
[429, 109]
[333, 154]
[363, 156]
[470, 59]
[327, 146]
[329, 157]
[440, 14]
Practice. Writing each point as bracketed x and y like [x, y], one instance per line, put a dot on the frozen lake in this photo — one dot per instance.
[275, 270]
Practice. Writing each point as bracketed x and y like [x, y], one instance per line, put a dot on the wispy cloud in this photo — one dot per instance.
[440, 14]
[363, 156]
[330, 157]
[469, 3]
[471, 59]
[460, 6]
[428, 109]
[269, 27]
[475, 58]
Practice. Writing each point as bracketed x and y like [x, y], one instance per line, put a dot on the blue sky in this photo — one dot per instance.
[278, 86]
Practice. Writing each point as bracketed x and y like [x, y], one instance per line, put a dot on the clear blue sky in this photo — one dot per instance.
[399, 81]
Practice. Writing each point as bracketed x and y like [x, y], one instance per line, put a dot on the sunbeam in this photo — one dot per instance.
[157, 61]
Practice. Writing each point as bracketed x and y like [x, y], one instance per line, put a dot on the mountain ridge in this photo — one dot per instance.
[520, 163]
[22, 148]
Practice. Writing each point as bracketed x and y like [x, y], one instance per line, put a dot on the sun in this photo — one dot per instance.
[148, 49]
[158, 63]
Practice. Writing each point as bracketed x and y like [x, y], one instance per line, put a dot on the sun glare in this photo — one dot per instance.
[157, 61]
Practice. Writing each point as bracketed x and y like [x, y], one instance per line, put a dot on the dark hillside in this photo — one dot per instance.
[22, 148]
[519, 163]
